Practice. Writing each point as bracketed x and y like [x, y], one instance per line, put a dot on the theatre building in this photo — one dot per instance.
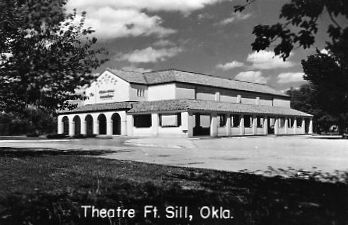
[178, 103]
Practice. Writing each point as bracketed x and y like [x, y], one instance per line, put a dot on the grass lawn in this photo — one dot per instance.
[49, 188]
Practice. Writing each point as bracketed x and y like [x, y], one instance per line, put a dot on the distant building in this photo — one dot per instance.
[179, 103]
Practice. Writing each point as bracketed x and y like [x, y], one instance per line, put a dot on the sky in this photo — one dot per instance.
[204, 36]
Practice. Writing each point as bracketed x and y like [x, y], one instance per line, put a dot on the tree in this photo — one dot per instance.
[326, 73]
[302, 99]
[46, 53]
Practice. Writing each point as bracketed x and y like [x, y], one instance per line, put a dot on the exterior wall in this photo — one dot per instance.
[184, 91]
[205, 93]
[161, 92]
[107, 88]
[281, 102]
[133, 92]
[187, 91]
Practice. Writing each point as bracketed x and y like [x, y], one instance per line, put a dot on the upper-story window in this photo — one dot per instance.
[140, 92]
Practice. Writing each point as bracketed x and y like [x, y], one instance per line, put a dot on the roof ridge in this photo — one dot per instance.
[205, 74]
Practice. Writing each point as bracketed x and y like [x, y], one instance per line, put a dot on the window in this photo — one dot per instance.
[281, 122]
[222, 120]
[140, 92]
[291, 122]
[239, 99]
[142, 121]
[248, 121]
[235, 120]
[259, 122]
[299, 122]
[170, 120]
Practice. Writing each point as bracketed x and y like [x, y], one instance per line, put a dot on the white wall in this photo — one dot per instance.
[133, 92]
[184, 91]
[281, 102]
[119, 89]
[161, 92]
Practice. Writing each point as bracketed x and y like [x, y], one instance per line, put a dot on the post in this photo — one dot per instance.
[295, 125]
[108, 125]
[190, 125]
[95, 125]
[276, 126]
[254, 125]
[154, 123]
[286, 125]
[71, 127]
[60, 128]
[265, 125]
[228, 125]
[213, 125]
[241, 125]
[83, 125]
[303, 126]
[310, 130]
[130, 125]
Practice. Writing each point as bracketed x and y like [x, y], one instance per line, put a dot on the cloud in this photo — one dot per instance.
[115, 23]
[267, 60]
[151, 5]
[251, 76]
[284, 78]
[230, 65]
[163, 43]
[238, 16]
[135, 69]
[151, 55]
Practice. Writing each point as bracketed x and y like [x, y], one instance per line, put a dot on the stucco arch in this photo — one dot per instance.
[77, 123]
[102, 124]
[65, 122]
[89, 124]
[116, 124]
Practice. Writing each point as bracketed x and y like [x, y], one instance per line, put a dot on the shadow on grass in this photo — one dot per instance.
[57, 187]
[36, 152]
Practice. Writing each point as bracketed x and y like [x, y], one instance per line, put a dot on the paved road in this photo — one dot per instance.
[230, 154]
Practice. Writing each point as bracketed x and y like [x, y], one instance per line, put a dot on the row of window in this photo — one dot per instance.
[165, 120]
[174, 120]
[248, 121]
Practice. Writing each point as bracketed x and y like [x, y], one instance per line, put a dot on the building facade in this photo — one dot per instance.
[180, 103]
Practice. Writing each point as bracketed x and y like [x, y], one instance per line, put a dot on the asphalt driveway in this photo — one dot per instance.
[230, 154]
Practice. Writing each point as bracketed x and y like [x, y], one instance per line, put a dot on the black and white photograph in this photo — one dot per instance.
[182, 112]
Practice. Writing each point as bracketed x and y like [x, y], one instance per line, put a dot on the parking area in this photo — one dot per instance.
[230, 154]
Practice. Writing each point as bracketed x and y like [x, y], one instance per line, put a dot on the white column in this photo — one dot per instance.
[190, 125]
[254, 125]
[241, 125]
[295, 125]
[71, 127]
[213, 125]
[265, 125]
[95, 124]
[83, 125]
[130, 125]
[60, 128]
[154, 123]
[108, 125]
[228, 125]
[303, 126]
[286, 126]
[276, 126]
[310, 130]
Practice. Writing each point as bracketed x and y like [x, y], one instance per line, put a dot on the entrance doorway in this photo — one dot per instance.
[116, 124]
[271, 123]
[202, 124]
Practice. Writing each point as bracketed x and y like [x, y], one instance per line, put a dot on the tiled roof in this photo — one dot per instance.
[129, 76]
[166, 76]
[209, 106]
[99, 107]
